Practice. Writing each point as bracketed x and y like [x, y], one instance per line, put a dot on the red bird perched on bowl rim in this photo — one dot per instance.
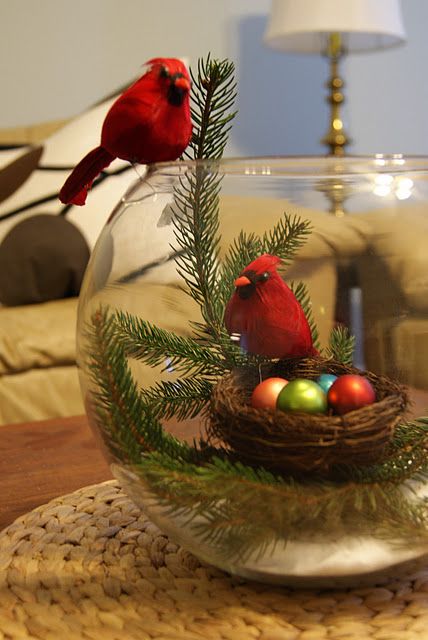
[149, 122]
[266, 315]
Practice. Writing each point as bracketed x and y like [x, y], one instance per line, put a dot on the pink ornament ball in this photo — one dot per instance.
[266, 393]
[350, 392]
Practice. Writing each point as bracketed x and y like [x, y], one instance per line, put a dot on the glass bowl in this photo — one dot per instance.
[152, 344]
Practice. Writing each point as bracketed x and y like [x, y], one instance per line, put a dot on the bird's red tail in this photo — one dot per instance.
[75, 188]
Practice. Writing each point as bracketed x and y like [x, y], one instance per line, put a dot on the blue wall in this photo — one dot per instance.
[388, 91]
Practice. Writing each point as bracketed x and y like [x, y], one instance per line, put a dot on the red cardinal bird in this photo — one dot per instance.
[149, 122]
[266, 315]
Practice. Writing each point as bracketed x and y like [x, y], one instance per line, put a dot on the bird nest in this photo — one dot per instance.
[290, 443]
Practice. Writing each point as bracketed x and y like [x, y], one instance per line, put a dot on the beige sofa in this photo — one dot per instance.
[38, 373]
[383, 252]
[393, 275]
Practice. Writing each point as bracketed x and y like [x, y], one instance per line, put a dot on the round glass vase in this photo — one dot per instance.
[352, 234]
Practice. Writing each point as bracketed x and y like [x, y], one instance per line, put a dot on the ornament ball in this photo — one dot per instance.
[302, 395]
[350, 392]
[325, 380]
[266, 393]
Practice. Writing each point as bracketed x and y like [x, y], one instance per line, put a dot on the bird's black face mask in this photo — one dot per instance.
[176, 95]
[246, 291]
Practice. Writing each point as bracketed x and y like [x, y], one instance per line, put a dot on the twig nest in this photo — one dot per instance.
[298, 442]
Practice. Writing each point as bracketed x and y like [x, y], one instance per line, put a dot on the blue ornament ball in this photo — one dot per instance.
[325, 380]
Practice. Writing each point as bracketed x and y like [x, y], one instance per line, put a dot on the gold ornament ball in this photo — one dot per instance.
[266, 393]
[302, 395]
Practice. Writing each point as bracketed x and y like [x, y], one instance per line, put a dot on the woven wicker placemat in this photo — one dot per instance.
[90, 565]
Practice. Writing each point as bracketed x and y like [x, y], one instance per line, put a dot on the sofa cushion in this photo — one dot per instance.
[42, 258]
[397, 237]
[40, 394]
[37, 336]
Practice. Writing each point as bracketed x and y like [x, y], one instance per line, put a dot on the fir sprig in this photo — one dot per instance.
[126, 420]
[213, 95]
[217, 498]
[341, 345]
[196, 220]
[154, 346]
[182, 398]
[196, 230]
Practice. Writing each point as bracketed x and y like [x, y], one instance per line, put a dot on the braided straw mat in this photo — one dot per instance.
[90, 565]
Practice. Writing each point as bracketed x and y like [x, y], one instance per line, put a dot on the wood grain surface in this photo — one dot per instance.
[42, 460]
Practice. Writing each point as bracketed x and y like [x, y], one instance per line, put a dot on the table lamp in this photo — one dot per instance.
[334, 28]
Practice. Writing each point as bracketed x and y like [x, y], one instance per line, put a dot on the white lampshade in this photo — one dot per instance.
[303, 26]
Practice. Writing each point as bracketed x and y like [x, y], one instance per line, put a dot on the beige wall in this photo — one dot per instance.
[57, 57]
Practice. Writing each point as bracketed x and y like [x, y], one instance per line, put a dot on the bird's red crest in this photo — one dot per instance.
[172, 64]
[263, 263]
[149, 122]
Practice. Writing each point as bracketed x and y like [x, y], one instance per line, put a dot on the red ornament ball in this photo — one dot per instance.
[350, 392]
[266, 393]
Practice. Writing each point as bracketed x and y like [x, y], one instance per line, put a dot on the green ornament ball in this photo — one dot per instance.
[302, 395]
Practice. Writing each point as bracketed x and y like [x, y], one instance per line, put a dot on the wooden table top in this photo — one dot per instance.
[43, 460]
[46, 459]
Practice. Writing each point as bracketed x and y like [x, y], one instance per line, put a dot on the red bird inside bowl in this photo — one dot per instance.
[265, 313]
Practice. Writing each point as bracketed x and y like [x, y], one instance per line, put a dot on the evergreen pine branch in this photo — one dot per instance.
[119, 409]
[154, 346]
[217, 498]
[222, 492]
[286, 237]
[228, 349]
[183, 398]
[341, 345]
[196, 220]
[300, 291]
[196, 227]
[214, 490]
[213, 95]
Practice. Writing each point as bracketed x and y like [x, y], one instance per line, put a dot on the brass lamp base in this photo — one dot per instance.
[336, 139]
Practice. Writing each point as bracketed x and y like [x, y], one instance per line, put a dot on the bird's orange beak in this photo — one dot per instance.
[242, 281]
[182, 83]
